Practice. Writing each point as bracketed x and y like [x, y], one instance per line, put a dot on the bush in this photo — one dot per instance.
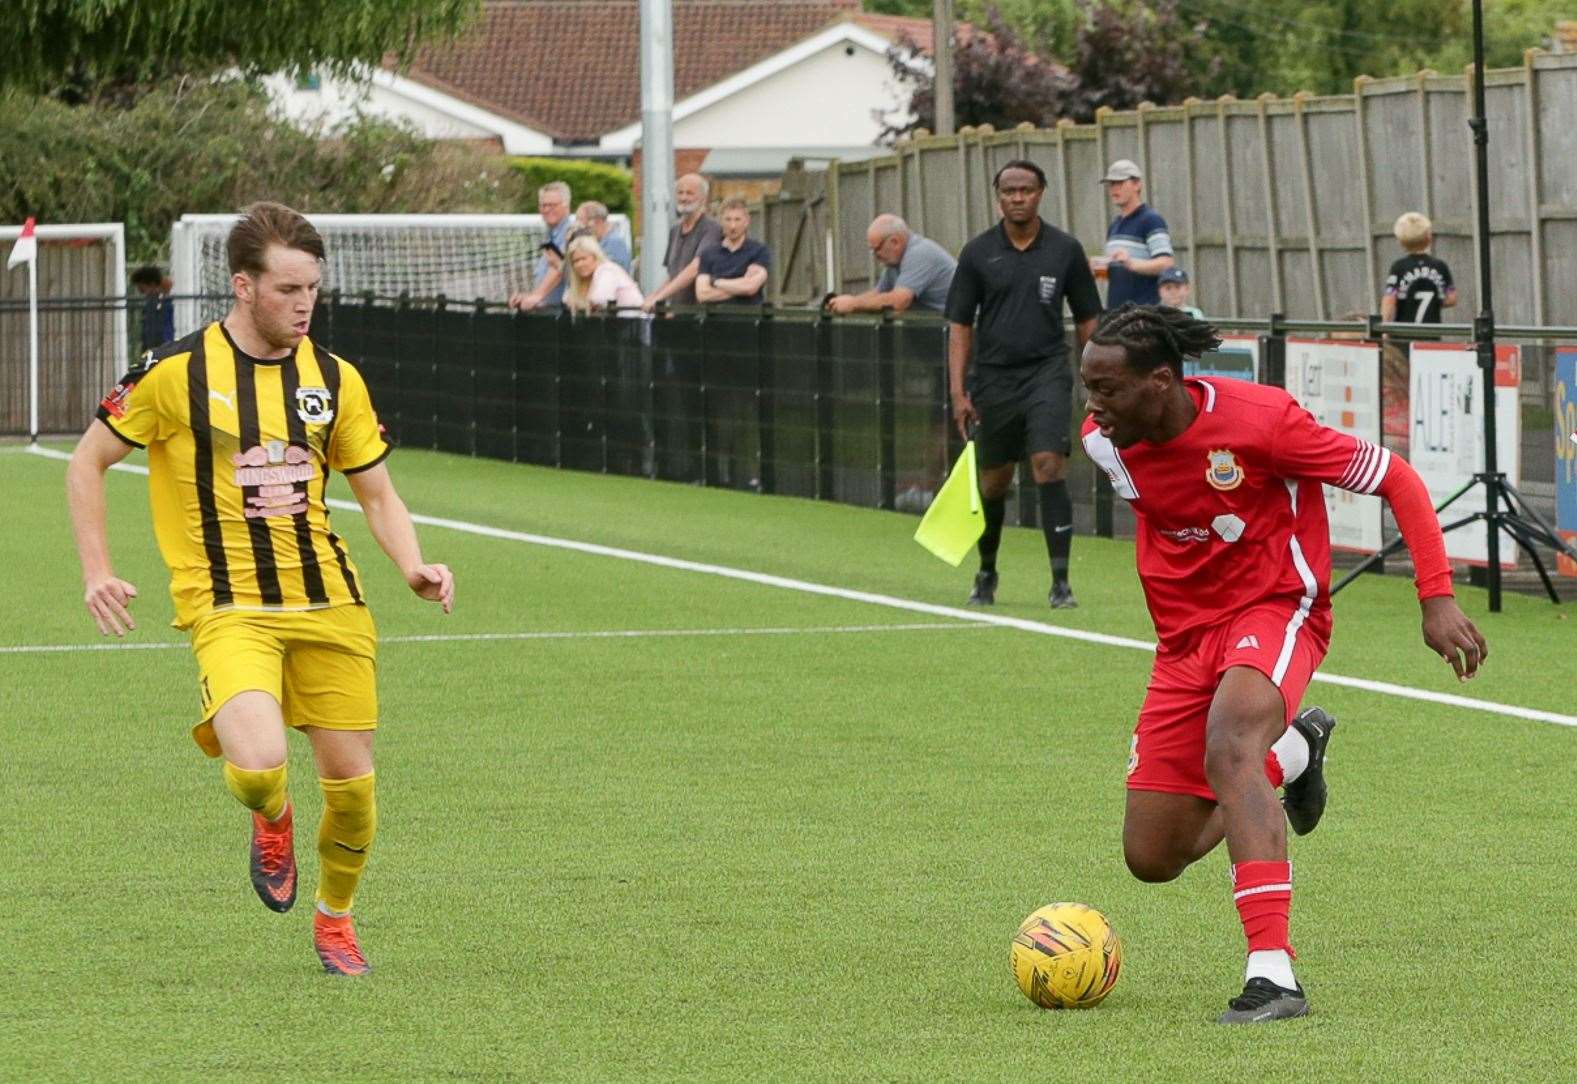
[213, 147]
[587, 180]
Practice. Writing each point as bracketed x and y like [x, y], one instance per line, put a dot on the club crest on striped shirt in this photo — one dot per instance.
[314, 405]
[1224, 472]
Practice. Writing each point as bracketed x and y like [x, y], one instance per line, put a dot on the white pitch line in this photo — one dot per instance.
[482, 637]
[1384, 688]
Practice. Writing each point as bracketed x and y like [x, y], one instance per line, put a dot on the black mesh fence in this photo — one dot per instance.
[781, 401]
[772, 401]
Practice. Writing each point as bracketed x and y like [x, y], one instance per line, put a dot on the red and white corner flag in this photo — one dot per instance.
[25, 250]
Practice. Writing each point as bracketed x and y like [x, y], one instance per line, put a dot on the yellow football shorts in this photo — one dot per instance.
[320, 665]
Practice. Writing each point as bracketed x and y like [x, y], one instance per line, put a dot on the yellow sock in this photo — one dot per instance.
[262, 791]
[350, 819]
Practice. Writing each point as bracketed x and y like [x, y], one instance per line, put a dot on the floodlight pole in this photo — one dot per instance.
[657, 138]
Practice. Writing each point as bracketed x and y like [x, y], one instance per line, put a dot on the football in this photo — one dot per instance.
[1066, 956]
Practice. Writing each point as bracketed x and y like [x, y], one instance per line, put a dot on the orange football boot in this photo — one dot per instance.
[335, 940]
[274, 860]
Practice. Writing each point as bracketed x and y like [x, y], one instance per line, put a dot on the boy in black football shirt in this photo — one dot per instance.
[1419, 285]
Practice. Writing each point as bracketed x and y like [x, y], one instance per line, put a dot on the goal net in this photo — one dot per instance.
[463, 257]
[83, 337]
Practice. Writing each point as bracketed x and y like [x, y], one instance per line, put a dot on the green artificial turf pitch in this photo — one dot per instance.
[725, 856]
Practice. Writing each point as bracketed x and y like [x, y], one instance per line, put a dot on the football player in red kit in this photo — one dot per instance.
[1224, 478]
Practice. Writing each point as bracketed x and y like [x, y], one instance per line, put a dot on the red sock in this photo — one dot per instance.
[1273, 770]
[1263, 894]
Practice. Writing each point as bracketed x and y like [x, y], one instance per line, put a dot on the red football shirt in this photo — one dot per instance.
[1230, 512]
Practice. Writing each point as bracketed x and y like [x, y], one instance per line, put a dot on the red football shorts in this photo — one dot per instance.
[1169, 743]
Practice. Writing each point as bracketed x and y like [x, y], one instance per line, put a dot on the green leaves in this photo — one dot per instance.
[77, 46]
[607, 184]
[1248, 47]
[202, 146]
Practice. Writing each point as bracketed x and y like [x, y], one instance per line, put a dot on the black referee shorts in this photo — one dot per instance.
[1022, 411]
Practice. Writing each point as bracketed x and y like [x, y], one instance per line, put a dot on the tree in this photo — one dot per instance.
[216, 145]
[73, 48]
[1248, 47]
[1122, 52]
[997, 80]
[1126, 52]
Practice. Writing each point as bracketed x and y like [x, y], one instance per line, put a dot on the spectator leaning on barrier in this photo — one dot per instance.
[735, 271]
[158, 311]
[693, 234]
[1419, 285]
[1175, 291]
[548, 279]
[595, 215]
[916, 271]
[1005, 322]
[1138, 246]
[593, 281]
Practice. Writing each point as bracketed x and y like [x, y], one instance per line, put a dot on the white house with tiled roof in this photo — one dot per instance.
[756, 82]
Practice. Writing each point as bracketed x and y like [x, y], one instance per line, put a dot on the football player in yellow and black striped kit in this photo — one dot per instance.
[243, 421]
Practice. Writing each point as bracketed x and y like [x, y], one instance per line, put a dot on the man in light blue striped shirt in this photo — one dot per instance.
[1138, 246]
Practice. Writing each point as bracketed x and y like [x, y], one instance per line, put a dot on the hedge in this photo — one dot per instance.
[587, 181]
[213, 147]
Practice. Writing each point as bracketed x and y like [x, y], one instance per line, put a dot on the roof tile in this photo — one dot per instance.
[571, 68]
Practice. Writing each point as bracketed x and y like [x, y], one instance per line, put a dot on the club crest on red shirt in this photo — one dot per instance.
[1224, 472]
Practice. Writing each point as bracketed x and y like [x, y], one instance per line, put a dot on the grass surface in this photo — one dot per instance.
[727, 857]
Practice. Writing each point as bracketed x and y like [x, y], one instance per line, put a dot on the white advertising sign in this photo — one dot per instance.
[1339, 383]
[1446, 393]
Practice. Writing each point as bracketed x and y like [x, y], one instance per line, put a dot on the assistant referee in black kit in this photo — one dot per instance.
[1005, 309]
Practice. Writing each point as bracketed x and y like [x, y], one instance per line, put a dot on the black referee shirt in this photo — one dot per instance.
[1014, 299]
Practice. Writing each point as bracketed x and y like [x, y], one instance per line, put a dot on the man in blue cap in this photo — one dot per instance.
[1175, 291]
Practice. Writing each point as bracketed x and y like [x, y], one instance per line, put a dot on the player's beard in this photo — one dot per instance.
[280, 334]
[687, 209]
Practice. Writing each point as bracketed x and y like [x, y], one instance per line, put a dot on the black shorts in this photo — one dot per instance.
[1022, 411]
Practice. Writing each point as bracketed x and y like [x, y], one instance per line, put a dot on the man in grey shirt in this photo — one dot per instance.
[694, 233]
[594, 216]
[918, 271]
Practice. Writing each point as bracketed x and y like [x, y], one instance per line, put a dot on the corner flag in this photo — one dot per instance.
[955, 520]
[25, 250]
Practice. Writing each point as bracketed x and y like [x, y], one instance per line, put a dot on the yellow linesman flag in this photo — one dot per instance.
[955, 521]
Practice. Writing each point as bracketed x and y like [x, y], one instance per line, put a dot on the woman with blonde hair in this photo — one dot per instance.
[594, 281]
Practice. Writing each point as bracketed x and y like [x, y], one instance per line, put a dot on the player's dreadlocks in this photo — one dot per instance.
[1155, 335]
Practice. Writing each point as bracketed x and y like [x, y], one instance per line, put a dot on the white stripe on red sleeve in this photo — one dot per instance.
[1366, 470]
[1355, 466]
[1380, 470]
